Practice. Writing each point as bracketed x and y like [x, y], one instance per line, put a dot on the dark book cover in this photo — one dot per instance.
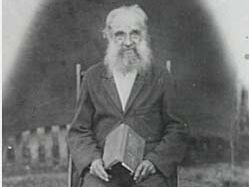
[123, 145]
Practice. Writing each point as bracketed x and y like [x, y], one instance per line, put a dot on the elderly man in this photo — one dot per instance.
[128, 87]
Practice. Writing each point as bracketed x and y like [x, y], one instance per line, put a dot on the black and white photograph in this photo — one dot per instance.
[125, 93]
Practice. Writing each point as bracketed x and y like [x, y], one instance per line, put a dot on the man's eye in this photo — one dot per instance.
[135, 33]
[119, 33]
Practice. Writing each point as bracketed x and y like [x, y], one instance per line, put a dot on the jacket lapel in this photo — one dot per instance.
[136, 89]
[111, 90]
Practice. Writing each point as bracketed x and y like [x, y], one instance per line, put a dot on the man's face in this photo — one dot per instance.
[128, 47]
[127, 37]
[126, 34]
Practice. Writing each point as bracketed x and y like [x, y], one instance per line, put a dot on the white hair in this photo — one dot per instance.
[135, 10]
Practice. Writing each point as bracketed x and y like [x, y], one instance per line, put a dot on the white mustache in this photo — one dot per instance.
[131, 51]
[125, 59]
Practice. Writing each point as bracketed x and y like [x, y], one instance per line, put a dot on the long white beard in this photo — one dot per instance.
[126, 61]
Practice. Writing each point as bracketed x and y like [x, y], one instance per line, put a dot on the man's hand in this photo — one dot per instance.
[144, 169]
[97, 169]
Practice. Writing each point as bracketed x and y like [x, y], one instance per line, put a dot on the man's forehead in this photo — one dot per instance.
[127, 17]
[127, 21]
[122, 23]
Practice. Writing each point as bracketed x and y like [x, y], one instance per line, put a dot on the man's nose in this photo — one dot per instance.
[128, 42]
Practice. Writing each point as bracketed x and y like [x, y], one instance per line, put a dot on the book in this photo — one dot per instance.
[123, 145]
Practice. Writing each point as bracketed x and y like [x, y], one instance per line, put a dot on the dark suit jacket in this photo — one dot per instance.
[147, 112]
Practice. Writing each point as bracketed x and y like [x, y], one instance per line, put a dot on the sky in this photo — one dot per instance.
[17, 18]
[232, 20]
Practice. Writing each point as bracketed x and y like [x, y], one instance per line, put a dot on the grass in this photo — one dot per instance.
[214, 175]
[37, 180]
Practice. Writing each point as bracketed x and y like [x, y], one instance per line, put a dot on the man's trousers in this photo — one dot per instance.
[122, 178]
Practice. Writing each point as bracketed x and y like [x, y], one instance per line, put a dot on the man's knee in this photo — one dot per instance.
[93, 181]
[153, 181]
[90, 180]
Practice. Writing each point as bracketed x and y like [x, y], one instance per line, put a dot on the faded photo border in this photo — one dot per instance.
[43, 41]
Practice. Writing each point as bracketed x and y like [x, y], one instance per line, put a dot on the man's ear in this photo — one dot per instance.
[106, 32]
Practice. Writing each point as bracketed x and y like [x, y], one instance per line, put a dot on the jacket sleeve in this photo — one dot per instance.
[171, 149]
[81, 140]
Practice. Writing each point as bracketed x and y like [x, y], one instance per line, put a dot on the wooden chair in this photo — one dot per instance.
[71, 167]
